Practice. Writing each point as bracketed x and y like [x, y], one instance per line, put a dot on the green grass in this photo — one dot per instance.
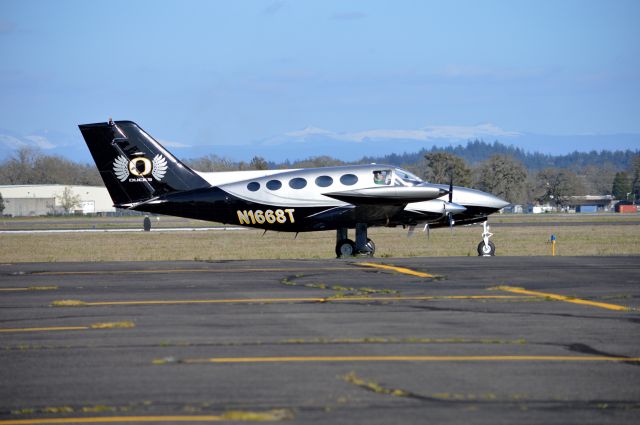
[251, 244]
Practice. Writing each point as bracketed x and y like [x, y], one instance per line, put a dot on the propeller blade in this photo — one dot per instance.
[426, 229]
[411, 230]
[451, 187]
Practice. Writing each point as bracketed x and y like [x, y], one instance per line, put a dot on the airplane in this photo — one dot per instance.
[141, 175]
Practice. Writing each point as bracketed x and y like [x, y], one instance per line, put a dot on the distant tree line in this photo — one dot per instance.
[29, 166]
[505, 171]
[477, 151]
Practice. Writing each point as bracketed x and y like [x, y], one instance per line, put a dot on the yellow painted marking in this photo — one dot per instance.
[402, 270]
[114, 419]
[412, 359]
[31, 288]
[53, 328]
[161, 271]
[562, 298]
[112, 325]
[230, 416]
[76, 303]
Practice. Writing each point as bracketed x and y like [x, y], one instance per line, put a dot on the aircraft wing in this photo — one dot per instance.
[388, 195]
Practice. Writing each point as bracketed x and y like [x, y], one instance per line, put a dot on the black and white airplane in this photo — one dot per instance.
[142, 175]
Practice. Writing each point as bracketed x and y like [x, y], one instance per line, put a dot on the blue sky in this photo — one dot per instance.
[245, 73]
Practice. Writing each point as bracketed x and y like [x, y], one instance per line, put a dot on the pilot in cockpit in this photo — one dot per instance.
[381, 177]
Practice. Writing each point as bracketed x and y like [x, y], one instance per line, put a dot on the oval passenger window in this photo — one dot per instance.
[274, 184]
[297, 183]
[349, 179]
[324, 181]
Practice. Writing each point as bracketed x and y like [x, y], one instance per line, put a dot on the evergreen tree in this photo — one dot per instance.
[443, 166]
[635, 184]
[621, 185]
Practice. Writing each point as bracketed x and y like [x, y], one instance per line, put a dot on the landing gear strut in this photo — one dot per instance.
[345, 247]
[486, 248]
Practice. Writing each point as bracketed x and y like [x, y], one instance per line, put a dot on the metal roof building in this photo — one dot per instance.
[44, 199]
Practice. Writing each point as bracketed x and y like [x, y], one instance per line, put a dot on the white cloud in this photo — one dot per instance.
[33, 141]
[273, 8]
[40, 142]
[310, 131]
[11, 141]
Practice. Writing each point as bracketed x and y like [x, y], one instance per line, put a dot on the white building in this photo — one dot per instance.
[43, 199]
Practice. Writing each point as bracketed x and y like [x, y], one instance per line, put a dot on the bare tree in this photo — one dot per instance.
[597, 179]
[504, 177]
[557, 185]
[212, 163]
[258, 163]
[68, 200]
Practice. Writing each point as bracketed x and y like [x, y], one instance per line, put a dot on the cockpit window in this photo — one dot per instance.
[382, 177]
[405, 178]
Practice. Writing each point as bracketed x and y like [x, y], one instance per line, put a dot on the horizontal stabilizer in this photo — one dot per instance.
[389, 195]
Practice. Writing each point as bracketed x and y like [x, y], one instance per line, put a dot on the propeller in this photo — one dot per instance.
[450, 216]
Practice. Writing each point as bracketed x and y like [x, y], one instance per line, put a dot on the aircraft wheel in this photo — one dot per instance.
[371, 248]
[486, 250]
[345, 248]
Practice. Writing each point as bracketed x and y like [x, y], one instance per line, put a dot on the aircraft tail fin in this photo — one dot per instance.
[134, 166]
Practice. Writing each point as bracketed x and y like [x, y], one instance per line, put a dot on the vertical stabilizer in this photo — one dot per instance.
[134, 166]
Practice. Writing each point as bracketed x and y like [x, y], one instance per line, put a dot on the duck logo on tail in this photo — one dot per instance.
[140, 168]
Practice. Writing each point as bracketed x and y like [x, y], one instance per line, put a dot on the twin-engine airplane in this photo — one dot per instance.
[141, 175]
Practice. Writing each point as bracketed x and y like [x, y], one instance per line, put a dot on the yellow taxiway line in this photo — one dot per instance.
[77, 303]
[316, 359]
[564, 298]
[114, 419]
[112, 325]
[30, 288]
[402, 270]
[163, 271]
[53, 328]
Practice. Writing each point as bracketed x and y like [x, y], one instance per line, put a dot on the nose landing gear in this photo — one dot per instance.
[486, 248]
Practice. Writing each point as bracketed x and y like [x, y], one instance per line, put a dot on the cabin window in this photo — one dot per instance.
[324, 181]
[274, 184]
[253, 186]
[297, 183]
[382, 177]
[349, 179]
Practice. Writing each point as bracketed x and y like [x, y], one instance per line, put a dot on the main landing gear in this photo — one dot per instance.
[345, 247]
[486, 248]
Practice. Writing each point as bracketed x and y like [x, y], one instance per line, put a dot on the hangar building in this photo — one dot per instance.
[44, 199]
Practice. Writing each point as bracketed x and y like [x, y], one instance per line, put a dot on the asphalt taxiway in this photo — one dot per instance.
[443, 340]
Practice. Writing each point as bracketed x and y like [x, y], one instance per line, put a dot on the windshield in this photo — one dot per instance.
[405, 178]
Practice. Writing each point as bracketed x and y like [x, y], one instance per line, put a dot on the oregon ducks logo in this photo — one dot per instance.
[140, 168]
